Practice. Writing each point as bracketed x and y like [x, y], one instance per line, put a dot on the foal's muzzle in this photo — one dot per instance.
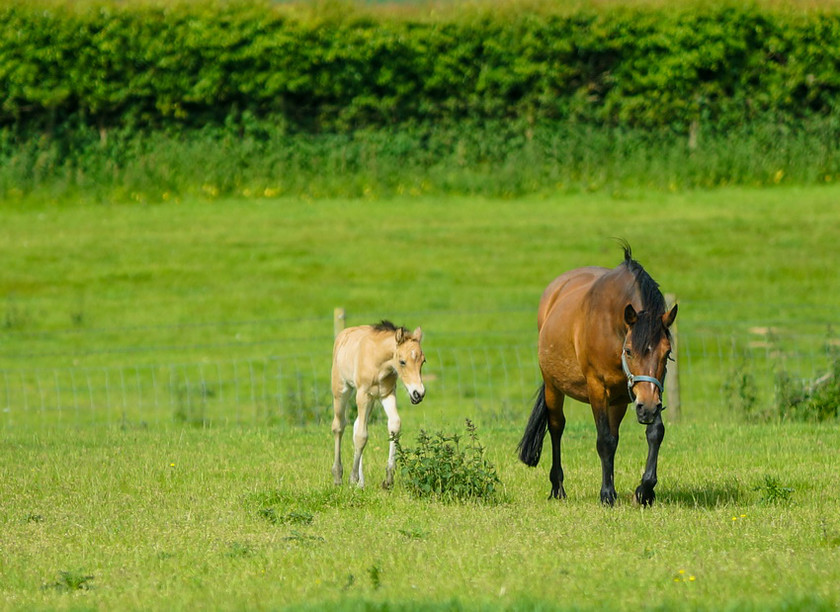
[416, 395]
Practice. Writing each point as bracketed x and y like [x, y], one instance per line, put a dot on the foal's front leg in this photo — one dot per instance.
[360, 436]
[389, 403]
[655, 434]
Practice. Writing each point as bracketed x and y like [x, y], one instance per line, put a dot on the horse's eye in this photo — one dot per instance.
[402, 362]
[628, 352]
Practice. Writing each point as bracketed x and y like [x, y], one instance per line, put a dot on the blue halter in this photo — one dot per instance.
[632, 380]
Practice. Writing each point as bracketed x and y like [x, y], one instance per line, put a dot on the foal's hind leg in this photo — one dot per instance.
[655, 434]
[340, 403]
[556, 425]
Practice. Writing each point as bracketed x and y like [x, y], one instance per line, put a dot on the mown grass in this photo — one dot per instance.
[84, 280]
[163, 515]
[178, 519]
[203, 282]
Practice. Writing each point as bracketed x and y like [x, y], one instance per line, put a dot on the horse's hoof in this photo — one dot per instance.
[608, 498]
[644, 498]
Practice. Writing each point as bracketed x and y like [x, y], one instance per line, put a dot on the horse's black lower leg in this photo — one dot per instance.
[607, 445]
[655, 434]
[556, 425]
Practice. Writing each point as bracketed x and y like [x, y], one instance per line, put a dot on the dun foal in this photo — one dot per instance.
[367, 361]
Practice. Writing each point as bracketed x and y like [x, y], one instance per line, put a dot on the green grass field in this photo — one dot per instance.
[152, 513]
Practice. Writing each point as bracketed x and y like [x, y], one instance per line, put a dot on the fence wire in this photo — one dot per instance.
[295, 390]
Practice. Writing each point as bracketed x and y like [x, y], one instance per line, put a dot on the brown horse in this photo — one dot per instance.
[603, 340]
[367, 361]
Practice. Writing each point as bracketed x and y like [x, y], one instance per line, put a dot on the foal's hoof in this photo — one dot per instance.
[644, 497]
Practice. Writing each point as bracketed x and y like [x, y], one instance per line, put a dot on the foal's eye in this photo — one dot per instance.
[402, 362]
[628, 352]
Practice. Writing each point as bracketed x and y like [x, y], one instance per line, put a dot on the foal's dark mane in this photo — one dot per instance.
[649, 327]
[386, 325]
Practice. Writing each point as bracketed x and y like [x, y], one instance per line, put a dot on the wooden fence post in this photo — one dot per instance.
[338, 320]
[672, 381]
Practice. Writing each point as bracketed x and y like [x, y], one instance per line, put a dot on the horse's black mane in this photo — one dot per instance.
[386, 325]
[649, 326]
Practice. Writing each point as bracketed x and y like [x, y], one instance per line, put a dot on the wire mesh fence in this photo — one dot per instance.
[717, 372]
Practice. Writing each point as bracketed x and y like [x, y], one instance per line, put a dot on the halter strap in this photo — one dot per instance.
[632, 379]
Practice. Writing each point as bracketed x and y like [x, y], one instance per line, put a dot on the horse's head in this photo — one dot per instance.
[409, 360]
[647, 347]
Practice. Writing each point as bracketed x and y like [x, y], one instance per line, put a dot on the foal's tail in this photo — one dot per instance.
[530, 446]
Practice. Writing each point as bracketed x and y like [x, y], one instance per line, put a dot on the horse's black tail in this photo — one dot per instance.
[530, 446]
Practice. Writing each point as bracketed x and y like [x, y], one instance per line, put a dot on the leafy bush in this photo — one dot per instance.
[742, 392]
[440, 468]
[800, 400]
[148, 100]
[340, 67]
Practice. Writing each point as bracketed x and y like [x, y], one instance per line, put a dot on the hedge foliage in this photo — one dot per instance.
[340, 67]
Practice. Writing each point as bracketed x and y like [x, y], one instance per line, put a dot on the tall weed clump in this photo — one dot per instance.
[817, 400]
[442, 467]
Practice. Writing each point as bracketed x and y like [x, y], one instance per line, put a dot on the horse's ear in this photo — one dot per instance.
[668, 317]
[630, 316]
[400, 335]
[417, 334]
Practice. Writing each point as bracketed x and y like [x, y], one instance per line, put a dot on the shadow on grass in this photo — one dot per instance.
[710, 495]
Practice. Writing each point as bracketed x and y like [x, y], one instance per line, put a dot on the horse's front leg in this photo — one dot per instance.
[655, 434]
[389, 403]
[360, 436]
[607, 421]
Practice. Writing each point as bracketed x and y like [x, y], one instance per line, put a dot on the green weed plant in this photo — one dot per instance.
[449, 468]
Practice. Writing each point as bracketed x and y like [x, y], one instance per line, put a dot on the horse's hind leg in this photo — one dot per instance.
[340, 403]
[556, 424]
[655, 434]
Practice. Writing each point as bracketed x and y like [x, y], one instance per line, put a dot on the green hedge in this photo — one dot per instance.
[339, 67]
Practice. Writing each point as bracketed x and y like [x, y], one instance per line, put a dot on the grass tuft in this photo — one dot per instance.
[74, 580]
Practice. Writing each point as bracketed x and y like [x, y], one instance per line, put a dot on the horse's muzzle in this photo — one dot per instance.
[416, 396]
[647, 414]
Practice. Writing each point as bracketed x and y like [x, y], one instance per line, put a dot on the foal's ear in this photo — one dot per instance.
[668, 317]
[400, 335]
[630, 316]
[417, 334]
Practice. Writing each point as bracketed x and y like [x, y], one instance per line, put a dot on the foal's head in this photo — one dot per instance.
[647, 347]
[409, 360]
